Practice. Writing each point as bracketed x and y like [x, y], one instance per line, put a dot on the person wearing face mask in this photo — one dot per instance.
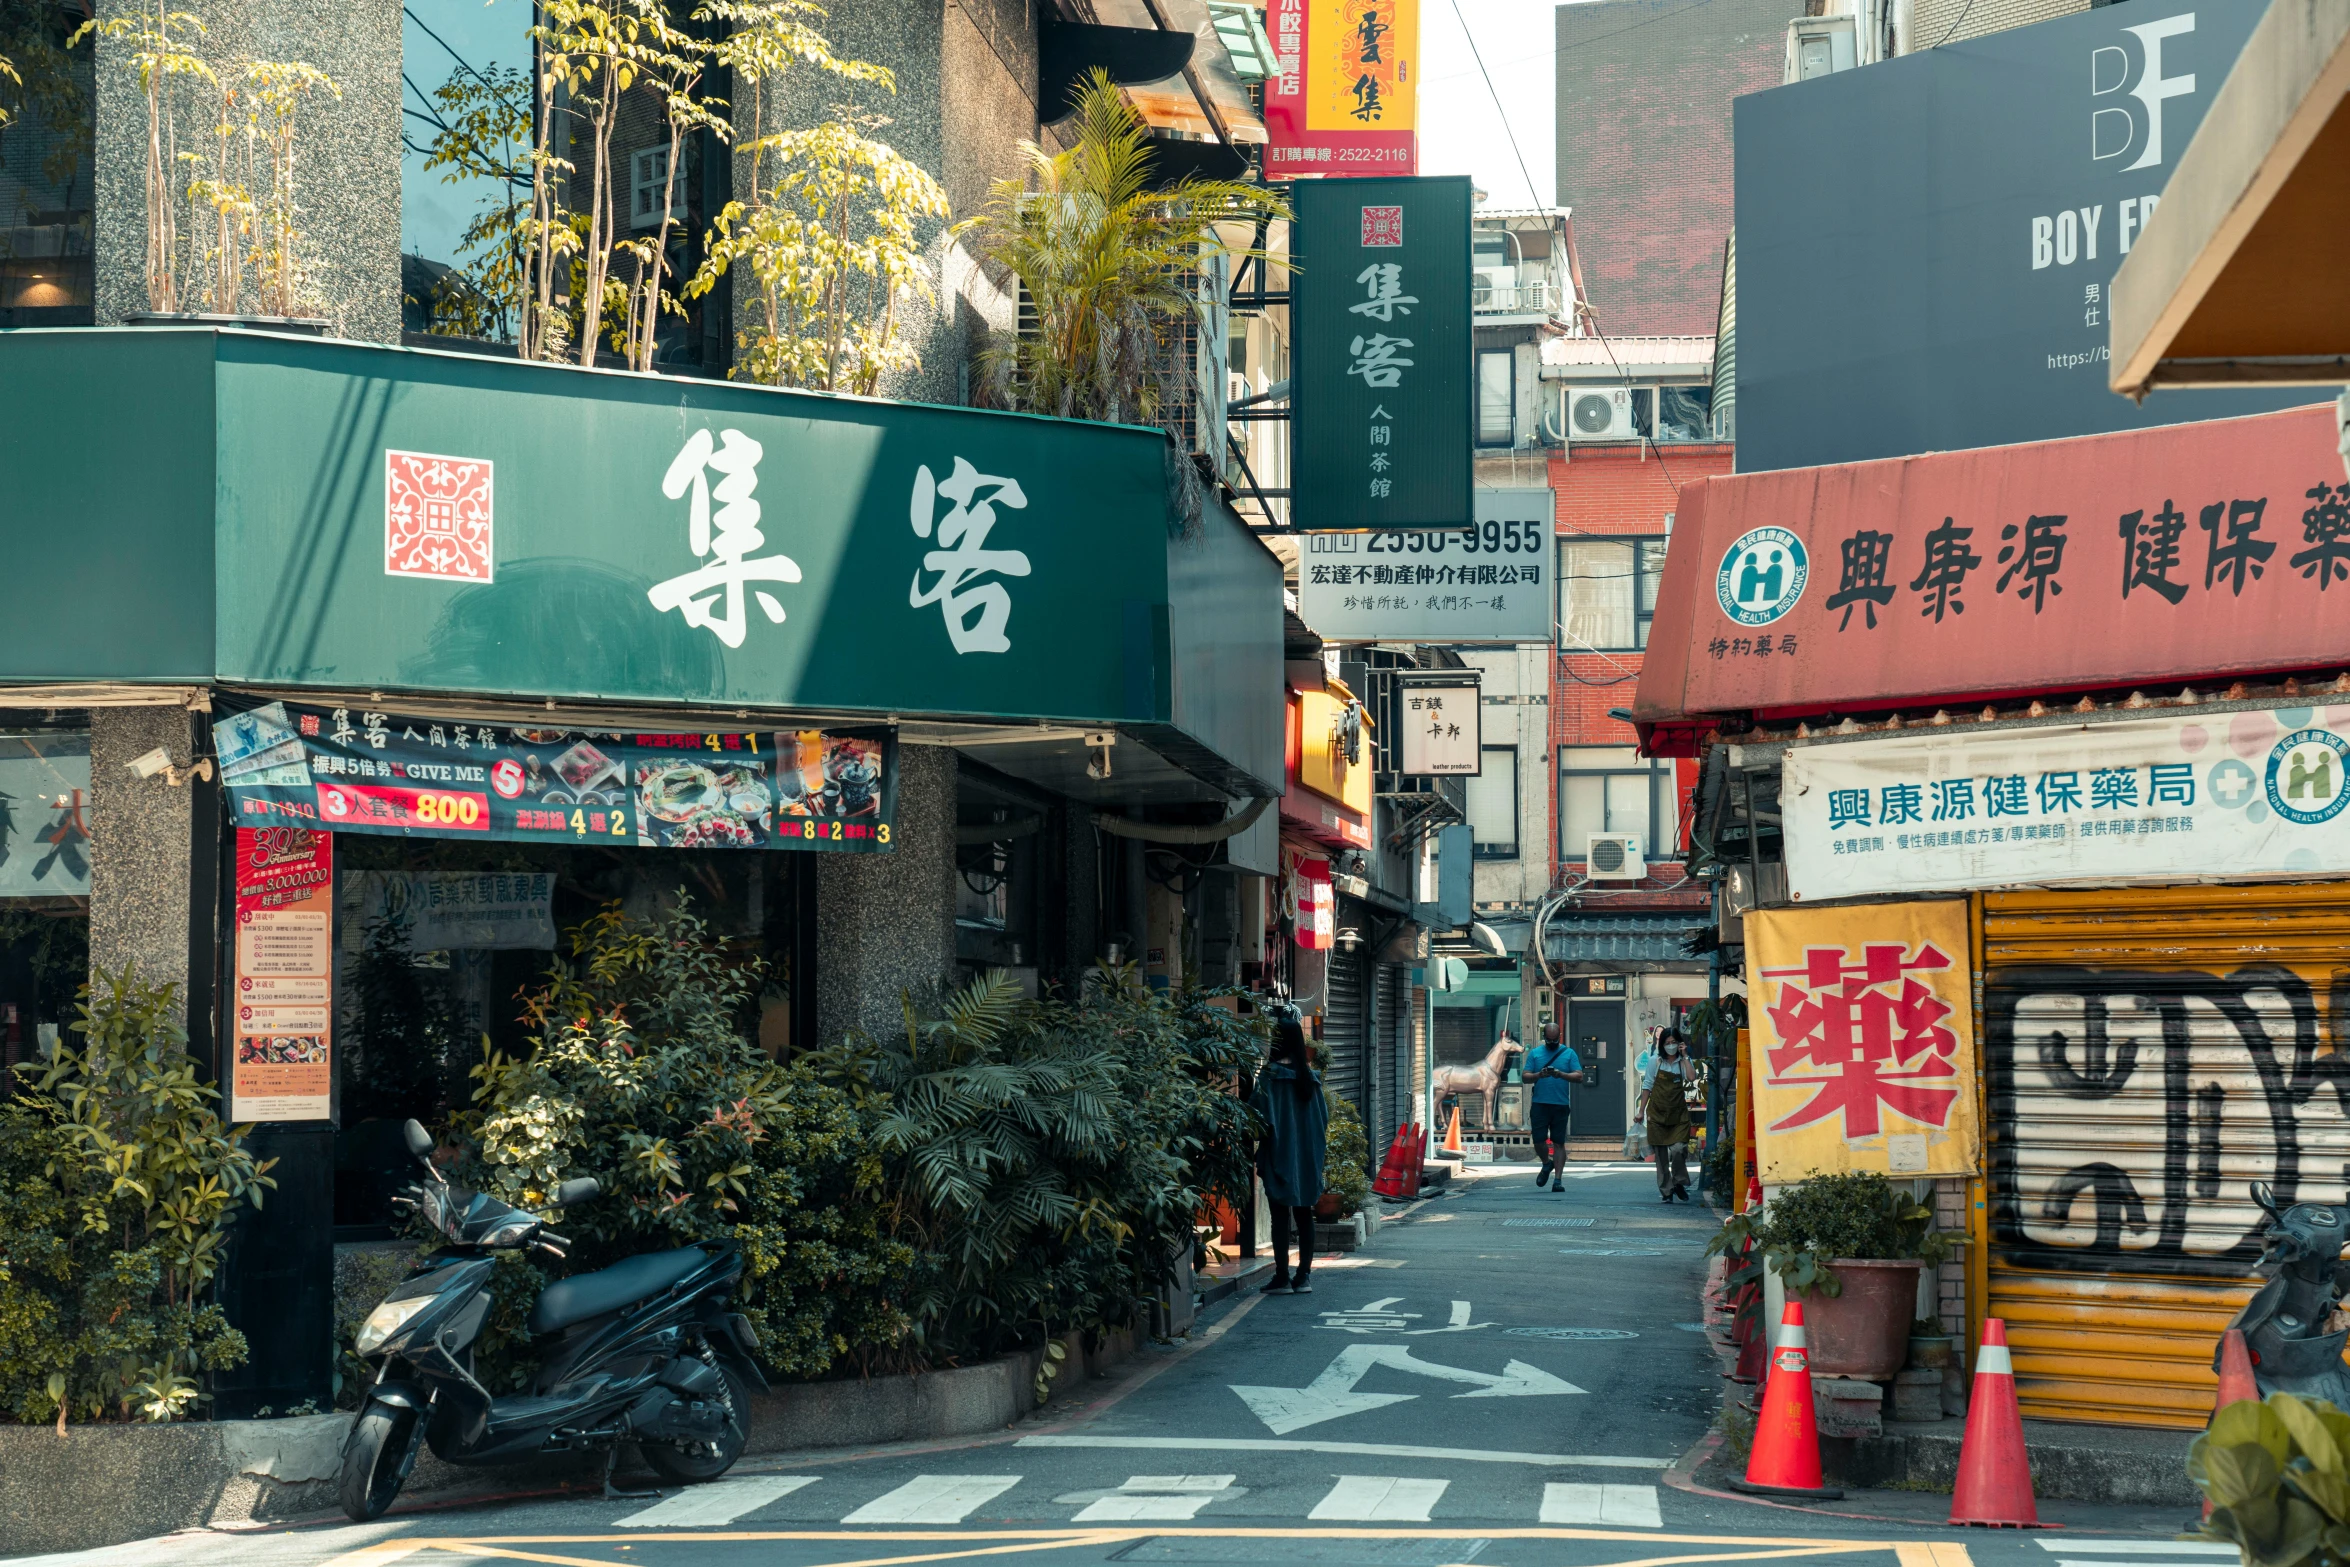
[1664, 1087]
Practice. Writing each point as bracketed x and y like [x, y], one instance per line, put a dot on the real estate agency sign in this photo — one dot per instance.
[1380, 396]
[1344, 97]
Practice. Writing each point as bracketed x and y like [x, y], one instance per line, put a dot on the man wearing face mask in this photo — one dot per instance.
[1664, 1087]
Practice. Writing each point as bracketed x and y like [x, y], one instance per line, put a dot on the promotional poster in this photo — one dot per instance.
[283, 1069]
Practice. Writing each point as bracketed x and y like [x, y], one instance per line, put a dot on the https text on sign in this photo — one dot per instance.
[1380, 394]
[1863, 1040]
[2259, 793]
[1344, 97]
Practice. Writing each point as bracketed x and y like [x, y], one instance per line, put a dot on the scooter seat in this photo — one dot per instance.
[606, 1290]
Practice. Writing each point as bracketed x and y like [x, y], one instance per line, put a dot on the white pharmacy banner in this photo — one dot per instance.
[2169, 799]
[1487, 584]
[442, 911]
[1440, 734]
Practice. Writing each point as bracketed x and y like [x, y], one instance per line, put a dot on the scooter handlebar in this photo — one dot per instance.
[549, 1241]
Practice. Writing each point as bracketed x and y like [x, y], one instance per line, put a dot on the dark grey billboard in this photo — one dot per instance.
[1925, 245]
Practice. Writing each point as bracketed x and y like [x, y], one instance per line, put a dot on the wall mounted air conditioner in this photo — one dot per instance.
[1615, 856]
[1599, 413]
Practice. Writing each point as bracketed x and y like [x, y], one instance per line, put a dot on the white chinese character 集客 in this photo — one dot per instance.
[734, 456]
[976, 612]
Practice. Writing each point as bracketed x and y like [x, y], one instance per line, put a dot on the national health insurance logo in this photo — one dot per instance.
[2306, 776]
[1762, 575]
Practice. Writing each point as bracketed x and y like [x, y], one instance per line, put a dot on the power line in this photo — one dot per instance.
[1479, 56]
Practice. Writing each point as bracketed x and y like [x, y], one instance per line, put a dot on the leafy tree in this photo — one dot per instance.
[118, 1183]
[484, 135]
[159, 48]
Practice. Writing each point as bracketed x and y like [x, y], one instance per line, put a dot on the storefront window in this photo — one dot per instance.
[1611, 789]
[46, 154]
[1607, 593]
[44, 886]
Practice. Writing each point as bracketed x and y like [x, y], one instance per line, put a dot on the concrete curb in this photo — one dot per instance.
[109, 1484]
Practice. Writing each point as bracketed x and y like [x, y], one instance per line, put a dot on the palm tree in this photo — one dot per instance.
[1109, 266]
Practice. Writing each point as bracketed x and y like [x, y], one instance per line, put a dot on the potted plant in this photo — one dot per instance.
[1346, 1163]
[1852, 1247]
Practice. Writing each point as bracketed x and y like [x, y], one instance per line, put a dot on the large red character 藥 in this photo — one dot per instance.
[1870, 1035]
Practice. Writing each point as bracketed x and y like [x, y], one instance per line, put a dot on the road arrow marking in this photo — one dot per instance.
[1332, 1395]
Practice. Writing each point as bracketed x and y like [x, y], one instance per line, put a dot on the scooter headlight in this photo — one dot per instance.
[388, 1319]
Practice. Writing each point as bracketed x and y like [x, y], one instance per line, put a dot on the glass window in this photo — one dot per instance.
[465, 71]
[1611, 789]
[1493, 804]
[1607, 593]
[46, 155]
[1496, 421]
[1684, 413]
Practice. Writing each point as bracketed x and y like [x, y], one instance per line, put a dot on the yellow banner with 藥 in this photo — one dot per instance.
[1364, 73]
[1864, 1040]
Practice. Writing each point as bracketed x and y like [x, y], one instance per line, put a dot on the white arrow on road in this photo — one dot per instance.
[1332, 1394]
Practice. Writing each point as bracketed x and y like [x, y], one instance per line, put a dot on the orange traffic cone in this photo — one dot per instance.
[1786, 1456]
[1994, 1474]
[1390, 1182]
[1452, 1134]
[2235, 1371]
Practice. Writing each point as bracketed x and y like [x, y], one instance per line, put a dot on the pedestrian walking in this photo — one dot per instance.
[1664, 1089]
[1289, 1160]
[1554, 1069]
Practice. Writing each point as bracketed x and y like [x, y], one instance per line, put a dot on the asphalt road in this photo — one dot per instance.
[1505, 1379]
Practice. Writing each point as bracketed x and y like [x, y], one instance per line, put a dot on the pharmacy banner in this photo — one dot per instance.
[351, 769]
[2167, 799]
[283, 1069]
[1863, 1049]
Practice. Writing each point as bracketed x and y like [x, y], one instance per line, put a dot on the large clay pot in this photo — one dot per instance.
[1864, 1332]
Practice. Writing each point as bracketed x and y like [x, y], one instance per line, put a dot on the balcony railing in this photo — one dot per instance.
[1534, 298]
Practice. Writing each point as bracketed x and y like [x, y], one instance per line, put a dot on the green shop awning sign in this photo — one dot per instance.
[294, 514]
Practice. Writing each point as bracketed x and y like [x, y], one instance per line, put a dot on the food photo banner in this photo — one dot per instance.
[2249, 794]
[353, 769]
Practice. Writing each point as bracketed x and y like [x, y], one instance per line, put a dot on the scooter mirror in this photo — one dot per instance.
[573, 1192]
[419, 1140]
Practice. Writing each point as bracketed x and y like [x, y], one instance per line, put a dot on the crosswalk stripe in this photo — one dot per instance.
[1156, 1497]
[1628, 1506]
[1378, 1499]
[934, 1499]
[717, 1502]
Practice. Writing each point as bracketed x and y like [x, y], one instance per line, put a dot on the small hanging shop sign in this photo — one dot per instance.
[284, 1005]
[344, 769]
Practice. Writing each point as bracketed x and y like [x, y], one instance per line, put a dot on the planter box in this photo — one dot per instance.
[108, 1484]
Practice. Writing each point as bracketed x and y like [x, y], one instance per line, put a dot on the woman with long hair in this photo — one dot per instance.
[1290, 1159]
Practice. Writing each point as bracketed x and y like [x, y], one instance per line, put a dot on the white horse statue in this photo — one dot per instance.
[1483, 1079]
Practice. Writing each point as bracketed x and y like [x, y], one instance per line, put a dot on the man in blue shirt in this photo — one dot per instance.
[1553, 1069]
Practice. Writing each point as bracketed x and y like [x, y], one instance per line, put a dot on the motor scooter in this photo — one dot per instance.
[644, 1352]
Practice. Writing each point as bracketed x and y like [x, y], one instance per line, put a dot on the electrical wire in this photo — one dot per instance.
[1584, 43]
[1479, 56]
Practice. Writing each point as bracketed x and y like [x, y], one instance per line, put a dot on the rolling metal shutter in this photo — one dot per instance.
[1343, 1018]
[1395, 1055]
[2148, 1054]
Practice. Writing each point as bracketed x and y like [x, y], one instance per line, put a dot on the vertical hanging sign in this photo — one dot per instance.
[283, 1025]
[1380, 395]
[1344, 98]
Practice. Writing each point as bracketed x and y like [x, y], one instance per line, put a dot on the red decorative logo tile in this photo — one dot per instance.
[1383, 228]
[437, 517]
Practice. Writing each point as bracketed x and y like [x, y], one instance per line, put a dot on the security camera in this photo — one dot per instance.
[155, 761]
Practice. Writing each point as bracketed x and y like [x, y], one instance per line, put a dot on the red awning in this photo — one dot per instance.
[2155, 557]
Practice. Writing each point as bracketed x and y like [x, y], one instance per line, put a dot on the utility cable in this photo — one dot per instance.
[1478, 55]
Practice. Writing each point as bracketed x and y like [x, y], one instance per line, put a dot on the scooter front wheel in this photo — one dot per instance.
[376, 1458]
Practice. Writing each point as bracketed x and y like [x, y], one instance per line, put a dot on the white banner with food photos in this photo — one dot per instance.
[2183, 797]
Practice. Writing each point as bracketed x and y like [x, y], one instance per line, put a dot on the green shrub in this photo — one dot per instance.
[1046, 1159]
[1347, 1156]
[118, 1183]
[1857, 1214]
[2277, 1475]
[638, 1076]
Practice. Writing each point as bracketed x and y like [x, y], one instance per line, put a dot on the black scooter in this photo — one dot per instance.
[642, 1352]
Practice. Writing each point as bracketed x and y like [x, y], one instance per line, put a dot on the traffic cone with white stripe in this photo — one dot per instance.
[1994, 1472]
[1785, 1460]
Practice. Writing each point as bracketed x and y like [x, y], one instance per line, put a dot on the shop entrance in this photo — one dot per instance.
[440, 944]
[1596, 1030]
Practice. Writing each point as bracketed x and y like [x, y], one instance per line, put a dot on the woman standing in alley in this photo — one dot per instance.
[1664, 1086]
[1289, 1160]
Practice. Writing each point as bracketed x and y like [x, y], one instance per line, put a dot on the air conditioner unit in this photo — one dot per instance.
[1599, 413]
[1615, 856]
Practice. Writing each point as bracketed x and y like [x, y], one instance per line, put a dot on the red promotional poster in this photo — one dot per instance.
[283, 1027]
[1345, 96]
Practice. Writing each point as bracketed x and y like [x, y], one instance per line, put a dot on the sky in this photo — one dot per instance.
[1461, 132]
